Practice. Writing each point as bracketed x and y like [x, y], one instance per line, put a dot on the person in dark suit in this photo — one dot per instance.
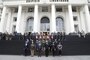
[53, 49]
[3, 36]
[26, 49]
[46, 49]
[6, 36]
[0, 36]
[83, 34]
[63, 36]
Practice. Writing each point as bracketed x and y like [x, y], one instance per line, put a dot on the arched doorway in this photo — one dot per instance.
[45, 25]
[59, 24]
[29, 24]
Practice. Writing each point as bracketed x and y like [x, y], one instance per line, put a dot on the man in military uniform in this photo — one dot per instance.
[39, 48]
[59, 47]
[32, 48]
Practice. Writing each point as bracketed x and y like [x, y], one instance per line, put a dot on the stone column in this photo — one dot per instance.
[82, 19]
[3, 20]
[87, 18]
[8, 21]
[53, 21]
[18, 27]
[71, 19]
[35, 27]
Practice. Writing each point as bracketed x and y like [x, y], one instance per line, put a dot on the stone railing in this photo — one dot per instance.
[47, 0]
[59, 0]
[32, 0]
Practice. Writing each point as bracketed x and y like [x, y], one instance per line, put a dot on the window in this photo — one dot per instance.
[74, 9]
[89, 9]
[44, 9]
[45, 24]
[0, 10]
[31, 9]
[75, 18]
[76, 27]
[29, 24]
[14, 28]
[59, 24]
[14, 19]
[15, 10]
[0, 17]
[59, 9]
[27, 0]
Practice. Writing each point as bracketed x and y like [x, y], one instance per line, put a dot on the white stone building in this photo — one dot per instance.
[44, 16]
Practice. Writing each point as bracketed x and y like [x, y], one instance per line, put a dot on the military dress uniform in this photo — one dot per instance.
[59, 46]
[32, 48]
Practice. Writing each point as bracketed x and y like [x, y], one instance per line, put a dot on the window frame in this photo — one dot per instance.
[75, 18]
[74, 9]
[15, 10]
[59, 9]
[15, 19]
[31, 9]
[45, 9]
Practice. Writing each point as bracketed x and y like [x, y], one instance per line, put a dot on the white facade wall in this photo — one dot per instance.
[80, 4]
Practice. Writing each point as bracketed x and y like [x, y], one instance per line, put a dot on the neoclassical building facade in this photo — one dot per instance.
[44, 16]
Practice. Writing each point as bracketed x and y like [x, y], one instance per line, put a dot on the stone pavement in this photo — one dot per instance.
[15, 57]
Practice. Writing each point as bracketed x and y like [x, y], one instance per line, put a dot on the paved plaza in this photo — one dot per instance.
[15, 57]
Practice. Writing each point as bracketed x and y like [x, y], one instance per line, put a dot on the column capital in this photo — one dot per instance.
[52, 5]
[20, 5]
[4, 6]
[69, 6]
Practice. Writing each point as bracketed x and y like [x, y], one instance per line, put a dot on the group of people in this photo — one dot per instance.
[39, 44]
[19, 36]
[79, 33]
[11, 36]
[44, 44]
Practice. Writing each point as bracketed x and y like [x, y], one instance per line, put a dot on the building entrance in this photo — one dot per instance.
[45, 25]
